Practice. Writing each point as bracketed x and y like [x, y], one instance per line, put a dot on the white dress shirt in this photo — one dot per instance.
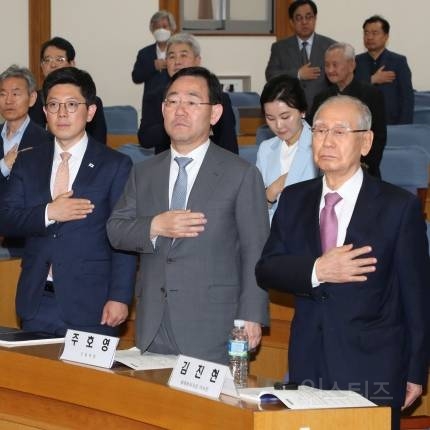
[77, 152]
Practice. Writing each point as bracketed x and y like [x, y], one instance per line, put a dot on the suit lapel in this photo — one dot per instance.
[209, 174]
[366, 207]
[91, 162]
[311, 218]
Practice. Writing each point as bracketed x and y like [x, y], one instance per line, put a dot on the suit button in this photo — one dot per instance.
[324, 296]
[170, 260]
[163, 291]
[54, 235]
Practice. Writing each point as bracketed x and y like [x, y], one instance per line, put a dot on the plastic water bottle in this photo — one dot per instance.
[238, 353]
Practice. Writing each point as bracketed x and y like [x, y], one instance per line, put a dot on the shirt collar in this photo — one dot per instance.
[348, 190]
[196, 154]
[76, 151]
[18, 132]
[310, 40]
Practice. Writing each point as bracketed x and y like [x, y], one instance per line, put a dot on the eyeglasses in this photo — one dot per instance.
[301, 18]
[71, 106]
[190, 105]
[56, 60]
[338, 133]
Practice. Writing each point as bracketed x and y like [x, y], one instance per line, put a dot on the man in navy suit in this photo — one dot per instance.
[361, 316]
[18, 133]
[151, 60]
[302, 55]
[386, 70]
[71, 277]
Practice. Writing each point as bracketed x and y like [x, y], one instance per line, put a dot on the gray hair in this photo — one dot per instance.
[347, 49]
[186, 38]
[365, 117]
[15, 71]
[162, 14]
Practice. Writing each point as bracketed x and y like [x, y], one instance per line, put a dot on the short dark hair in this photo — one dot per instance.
[378, 18]
[285, 89]
[59, 43]
[297, 3]
[214, 86]
[73, 76]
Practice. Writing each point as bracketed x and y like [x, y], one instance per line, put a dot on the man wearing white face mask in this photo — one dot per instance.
[151, 59]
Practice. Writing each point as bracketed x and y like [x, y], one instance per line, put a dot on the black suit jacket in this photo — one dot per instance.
[152, 134]
[374, 100]
[96, 128]
[370, 336]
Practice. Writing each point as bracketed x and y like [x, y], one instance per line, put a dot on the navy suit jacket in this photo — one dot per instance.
[151, 133]
[370, 336]
[96, 128]
[33, 135]
[144, 71]
[399, 95]
[87, 271]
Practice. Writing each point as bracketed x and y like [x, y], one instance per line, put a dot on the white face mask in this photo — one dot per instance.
[161, 35]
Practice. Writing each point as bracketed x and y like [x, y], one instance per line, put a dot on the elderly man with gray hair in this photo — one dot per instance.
[339, 64]
[183, 50]
[19, 133]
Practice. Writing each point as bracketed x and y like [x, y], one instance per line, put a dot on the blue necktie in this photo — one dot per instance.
[179, 194]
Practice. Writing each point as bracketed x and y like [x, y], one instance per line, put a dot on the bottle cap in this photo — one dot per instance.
[239, 323]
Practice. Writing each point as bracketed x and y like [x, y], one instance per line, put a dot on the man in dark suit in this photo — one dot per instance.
[359, 267]
[183, 50]
[151, 60]
[302, 55]
[18, 133]
[196, 272]
[386, 70]
[339, 68]
[54, 54]
[71, 277]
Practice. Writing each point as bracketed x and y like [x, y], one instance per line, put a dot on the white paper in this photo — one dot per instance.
[308, 398]
[136, 360]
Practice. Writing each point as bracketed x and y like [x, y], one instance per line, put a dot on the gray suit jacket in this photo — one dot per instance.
[206, 281]
[285, 59]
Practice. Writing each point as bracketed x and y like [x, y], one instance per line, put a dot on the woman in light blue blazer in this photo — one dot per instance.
[286, 158]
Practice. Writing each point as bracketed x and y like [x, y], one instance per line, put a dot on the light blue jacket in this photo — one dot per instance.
[302, 167]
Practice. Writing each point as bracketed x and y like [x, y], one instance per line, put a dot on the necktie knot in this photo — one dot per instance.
[183, 161]
[304, 44]
[65, 156]
[332, 199]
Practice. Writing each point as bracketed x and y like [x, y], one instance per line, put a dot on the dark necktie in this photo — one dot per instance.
[179, 194]
[304, 53]
[328, 222]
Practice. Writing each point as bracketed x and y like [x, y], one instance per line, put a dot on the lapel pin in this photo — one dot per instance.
[91, 165]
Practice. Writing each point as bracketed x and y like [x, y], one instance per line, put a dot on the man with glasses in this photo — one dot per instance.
[339, 65]
[197, 215]
[54, 54]
[354, 251]
[302, 55]
[183, 50]
[387, 71]
[59, 197]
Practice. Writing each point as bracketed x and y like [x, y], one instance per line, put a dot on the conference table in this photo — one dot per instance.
[38, 390]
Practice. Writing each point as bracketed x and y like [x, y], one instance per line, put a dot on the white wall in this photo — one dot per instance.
[14, 33]
[108, 33]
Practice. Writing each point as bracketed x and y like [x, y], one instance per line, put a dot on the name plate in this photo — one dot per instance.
[202, 377]
[89, 348]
